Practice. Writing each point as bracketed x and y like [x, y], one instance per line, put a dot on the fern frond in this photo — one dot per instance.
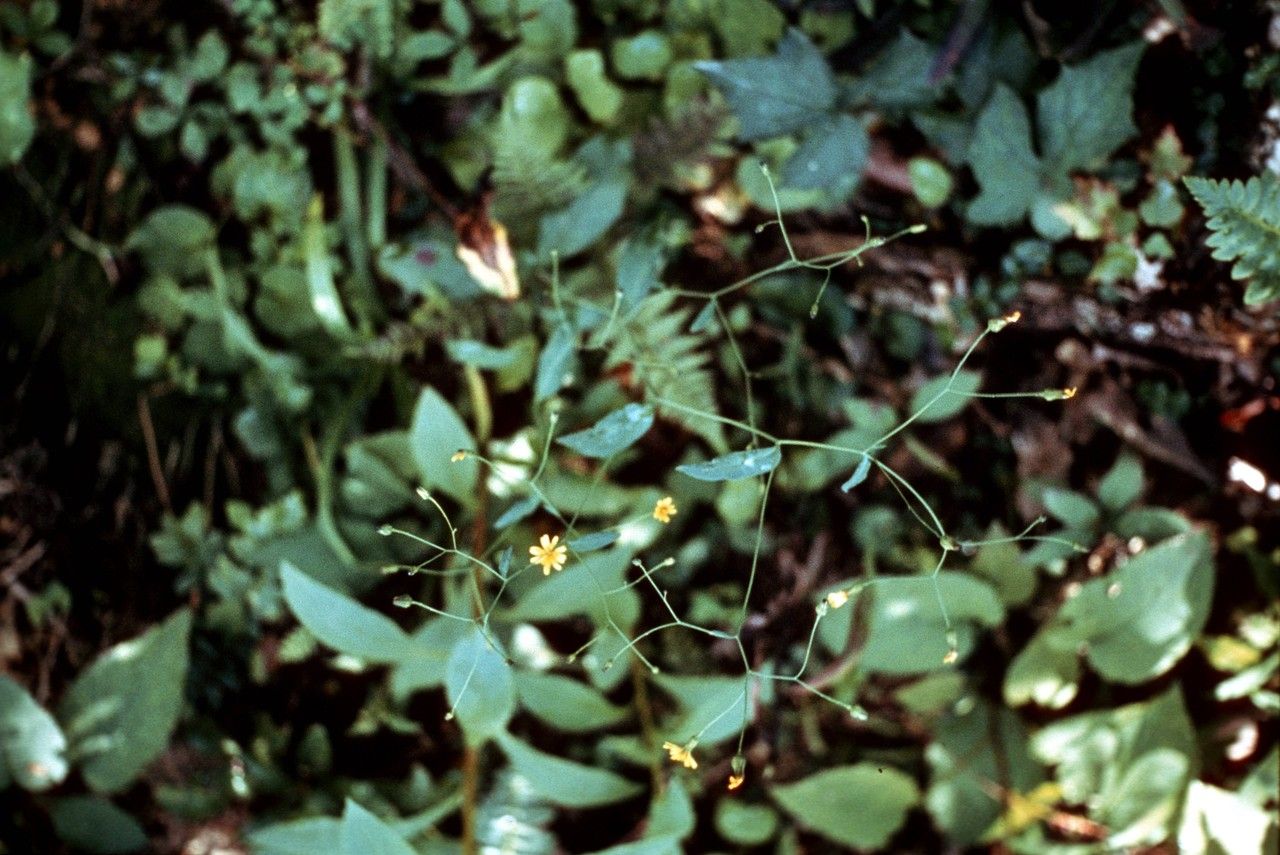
[526, 184]
[669, 362]
[1244, 218]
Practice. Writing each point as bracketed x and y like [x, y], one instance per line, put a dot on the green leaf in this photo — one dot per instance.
[1151, 524]
[746, 27]
[735, 465]
[831, 157]
[644, 56]
[362, 833]
[424, 667]
[17, 126]
[298, 837]
[580, 589]
[779, 94]
[943, 397]
[481, 355]
[566, 704]
[859, 475]
[31, 743]
[745, 824]
[1244, 219]
[379, 473]
[1003, 161]
[93, 824]
[616, 431]
[704, 319]
[639, 268]
[342, 623]
[1139, 620]
[480, 687]
[594, 541]
[1162, 208]
[173, 240]
[899, 77]
[671, 813]
[930, 181]
[562, 782]
[210, 57]
[119, 712]
[1087, 113]
[534, 116]
[973, 746]
[577, 226]
[1003, 565]
[598, 95]
[456, 18]
[710, 707]
[554, 362]
[1046, 671]
[517, 512]
[906, 633]
[1075, 510]
[1105, 759]
[436, 433]
[860, 806]
[415, 47]
[1122, 484]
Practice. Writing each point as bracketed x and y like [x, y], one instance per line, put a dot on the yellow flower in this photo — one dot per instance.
[836, 599]
[735, 781]
[665, 509]
[459, 456]
[1069, 393]
[682, 753]
[549, 553]
[951, 657]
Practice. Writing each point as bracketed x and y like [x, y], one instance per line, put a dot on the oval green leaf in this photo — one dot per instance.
[735, 465]
[480, 688]
[563, 782]
[342, 623]
[616, 431]
[861, 806]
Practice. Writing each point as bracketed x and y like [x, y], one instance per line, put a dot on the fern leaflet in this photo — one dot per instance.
[1244, 218]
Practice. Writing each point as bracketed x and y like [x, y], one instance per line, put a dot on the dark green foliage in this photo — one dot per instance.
[1245, 220]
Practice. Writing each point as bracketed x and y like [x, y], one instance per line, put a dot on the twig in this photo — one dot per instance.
[153, 452]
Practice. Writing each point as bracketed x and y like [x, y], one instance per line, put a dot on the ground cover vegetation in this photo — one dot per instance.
[639, 427]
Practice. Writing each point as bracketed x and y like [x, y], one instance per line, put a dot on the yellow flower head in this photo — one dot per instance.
[836, 599]
[458, 456]
[549, 553]
[682, 753]
[1069, 393]
[735, 781]
[665, 509]
[951, 656]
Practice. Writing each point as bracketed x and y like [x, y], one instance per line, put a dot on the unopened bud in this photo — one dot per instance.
[1059, 394]
[996, 324]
